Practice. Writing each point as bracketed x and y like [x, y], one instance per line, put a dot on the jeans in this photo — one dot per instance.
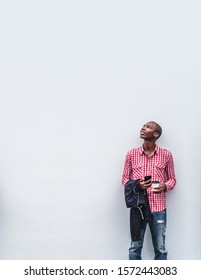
[157, 225]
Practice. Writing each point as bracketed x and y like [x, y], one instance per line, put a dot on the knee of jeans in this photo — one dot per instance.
[135, 245]
[160, 248]
[159, 240]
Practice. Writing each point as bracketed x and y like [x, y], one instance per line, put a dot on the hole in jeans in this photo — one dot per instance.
[160, 221]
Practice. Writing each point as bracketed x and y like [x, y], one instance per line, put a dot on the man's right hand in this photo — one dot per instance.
[145, 184]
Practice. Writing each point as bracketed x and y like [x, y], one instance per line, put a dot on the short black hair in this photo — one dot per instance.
[158, 129]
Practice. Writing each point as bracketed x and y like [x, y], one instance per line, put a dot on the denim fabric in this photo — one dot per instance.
[157, 225]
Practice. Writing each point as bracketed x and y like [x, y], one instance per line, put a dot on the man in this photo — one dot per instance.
[151, 160]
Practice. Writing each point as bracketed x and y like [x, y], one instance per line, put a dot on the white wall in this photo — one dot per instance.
[78, 80]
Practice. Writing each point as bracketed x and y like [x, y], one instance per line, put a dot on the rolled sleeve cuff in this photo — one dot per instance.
[170, 184]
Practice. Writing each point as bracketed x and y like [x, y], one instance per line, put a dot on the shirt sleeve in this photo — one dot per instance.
[127, 170]
[170, 174]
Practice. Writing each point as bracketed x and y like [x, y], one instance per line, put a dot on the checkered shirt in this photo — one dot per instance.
[160, 166]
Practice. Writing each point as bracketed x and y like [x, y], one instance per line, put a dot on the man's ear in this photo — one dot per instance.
[156, 134]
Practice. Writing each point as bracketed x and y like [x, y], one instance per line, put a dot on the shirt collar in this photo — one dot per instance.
[142, 150]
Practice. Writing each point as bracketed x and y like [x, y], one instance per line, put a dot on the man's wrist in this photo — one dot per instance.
[165, 188]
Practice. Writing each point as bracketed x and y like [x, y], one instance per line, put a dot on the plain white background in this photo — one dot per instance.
[78, 79]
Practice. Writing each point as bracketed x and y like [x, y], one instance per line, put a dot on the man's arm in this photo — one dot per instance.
[170, 174]
[127, 170]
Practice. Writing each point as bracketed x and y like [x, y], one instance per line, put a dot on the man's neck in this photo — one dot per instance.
[149, 147]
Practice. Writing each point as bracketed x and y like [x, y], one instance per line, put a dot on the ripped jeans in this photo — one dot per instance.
[157, 225]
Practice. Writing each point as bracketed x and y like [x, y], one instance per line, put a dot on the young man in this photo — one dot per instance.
[151, 160]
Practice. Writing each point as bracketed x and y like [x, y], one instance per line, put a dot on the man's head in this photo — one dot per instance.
[151, 131]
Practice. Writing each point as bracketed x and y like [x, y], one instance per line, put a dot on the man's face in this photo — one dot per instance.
[148, 131]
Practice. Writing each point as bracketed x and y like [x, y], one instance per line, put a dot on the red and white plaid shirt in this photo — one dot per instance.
[160, 166]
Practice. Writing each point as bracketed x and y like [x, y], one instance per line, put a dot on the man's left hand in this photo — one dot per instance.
[162, 188]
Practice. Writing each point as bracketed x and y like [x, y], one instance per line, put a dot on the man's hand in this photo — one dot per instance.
[145, 184]
[162, 188]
